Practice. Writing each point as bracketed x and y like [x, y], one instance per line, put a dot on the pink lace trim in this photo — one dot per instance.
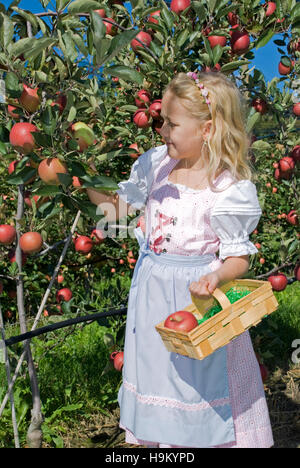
[172, 403]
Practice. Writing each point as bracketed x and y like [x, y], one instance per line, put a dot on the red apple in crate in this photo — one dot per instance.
[182, 321]
[143, 97]
[278, 281]
[292, 217]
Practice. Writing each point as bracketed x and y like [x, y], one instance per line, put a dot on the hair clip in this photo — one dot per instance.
[203, 90]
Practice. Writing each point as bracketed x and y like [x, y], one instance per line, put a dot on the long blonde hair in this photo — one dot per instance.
[229, 141]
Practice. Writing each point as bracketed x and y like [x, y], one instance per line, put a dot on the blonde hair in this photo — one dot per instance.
[229, 141]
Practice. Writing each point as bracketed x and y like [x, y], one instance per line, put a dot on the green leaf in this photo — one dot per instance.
[260, 144]
[47, 190]
[37, 46]
[264, 38]
[41, 139]
[167, 17]
[72, 114]
[126, 73]
[65, 179]
[252, 120]
[12, 85]
[295, 13]
[234, 65]
[19, 47]
[2, 148]
[82, 6]
[102, 182]
[119, 42]
[217, 53]
[22, 176]
[182, 37]
[6, 30]
[70, 47]
[49, 120]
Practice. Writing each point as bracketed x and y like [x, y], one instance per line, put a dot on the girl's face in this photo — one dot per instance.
[181, 131]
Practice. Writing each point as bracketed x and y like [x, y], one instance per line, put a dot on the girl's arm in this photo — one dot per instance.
[232, 268]
[110, 204]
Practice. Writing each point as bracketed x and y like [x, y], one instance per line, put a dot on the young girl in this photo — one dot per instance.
[198, 199]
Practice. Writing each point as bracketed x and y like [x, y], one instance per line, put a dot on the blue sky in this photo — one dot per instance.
[266, 58]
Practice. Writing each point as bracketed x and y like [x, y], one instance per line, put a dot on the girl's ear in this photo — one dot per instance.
[204, 130]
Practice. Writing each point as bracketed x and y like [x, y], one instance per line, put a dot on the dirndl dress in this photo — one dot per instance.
[167, 399]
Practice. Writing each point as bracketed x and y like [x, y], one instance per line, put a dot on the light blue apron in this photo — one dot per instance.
[166, 397]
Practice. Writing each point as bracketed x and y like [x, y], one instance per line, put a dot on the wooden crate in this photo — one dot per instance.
[227, 324]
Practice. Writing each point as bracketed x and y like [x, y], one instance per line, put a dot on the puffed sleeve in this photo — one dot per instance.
[234, 216]
[135, 190]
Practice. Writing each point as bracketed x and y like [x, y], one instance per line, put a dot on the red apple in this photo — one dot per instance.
[283, 69]
[30, 99]
[155, 108]
[101, 12]
[134, 155]
[7, 234]
[264, 372]
[240, 41]
[64, 294]
[215, 40]
[141, 223]
[21, 137]
[286, 166]
[141, 118]
[270, 8]
[31, 242]
[232, 18]
[11, 111]
[49, 169]
[179, 5]
[278, 281]
[83, 134]
[61, 102]
[297, 271]
[295, 153]
[182, 321]
[292, 218]
[118, 359]
[154, 20]
[83, 244]
[296, 108]
[12, 256]
[98, 236]
[142, 36]
[142, 98]
[260, 105]
[111, 29]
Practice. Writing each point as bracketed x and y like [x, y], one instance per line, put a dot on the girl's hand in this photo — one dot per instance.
[205, 286]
